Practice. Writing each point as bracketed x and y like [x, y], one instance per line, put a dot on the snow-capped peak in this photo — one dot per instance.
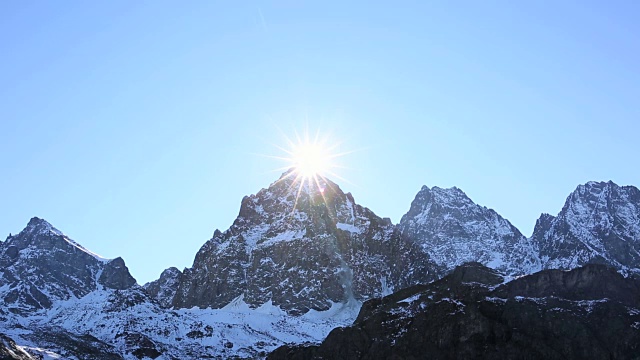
[599, 222]
[40, 226]
[41, 265]
[291, 182]
[453, 230]
[39, 229]
[449, 195]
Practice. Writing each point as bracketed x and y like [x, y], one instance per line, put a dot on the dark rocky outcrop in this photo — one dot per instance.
[588, 313]
[10, 351]
[141, 346]
[590, 282]
[69, 345]
[115, 275]
[164, 289]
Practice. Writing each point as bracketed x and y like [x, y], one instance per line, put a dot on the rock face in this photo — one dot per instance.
[587, 313]
[302, 246]
[164, 289]
[10, 351]
[41, 265]
[115, 275]
[599, 223]
[452, 229]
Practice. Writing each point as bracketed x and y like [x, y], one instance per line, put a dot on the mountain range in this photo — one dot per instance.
[298, 261]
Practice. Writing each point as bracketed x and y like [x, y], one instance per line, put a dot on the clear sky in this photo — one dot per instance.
[136, 127]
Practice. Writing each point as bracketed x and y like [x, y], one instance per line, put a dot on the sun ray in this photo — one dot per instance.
[295, 203]
[311, 158]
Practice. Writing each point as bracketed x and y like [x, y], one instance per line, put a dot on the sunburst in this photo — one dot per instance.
[311, 160]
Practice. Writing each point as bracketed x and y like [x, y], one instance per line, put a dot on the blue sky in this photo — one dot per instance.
[137, 127]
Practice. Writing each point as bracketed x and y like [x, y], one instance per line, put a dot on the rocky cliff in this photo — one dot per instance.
[590, 312]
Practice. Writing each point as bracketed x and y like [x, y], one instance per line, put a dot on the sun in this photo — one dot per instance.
[311, 160]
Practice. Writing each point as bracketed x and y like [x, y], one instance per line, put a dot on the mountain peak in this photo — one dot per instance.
[40, 226]
[290, 172]
[291, 195]
[291, 182]
[437, 199]
[599, 196]
[602, 189]
[599, 222]
[52, 267]
[599, 183]
[453, 230]
[39, 233]
[452, 196]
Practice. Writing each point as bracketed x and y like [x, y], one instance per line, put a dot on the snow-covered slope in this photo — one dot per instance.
[302, 247]
[600, 222]
[125, 324]
[453, 230]
[61, 301]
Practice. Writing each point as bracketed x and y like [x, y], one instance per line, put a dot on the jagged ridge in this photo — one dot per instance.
[302, 247]
[599, 223]
[452, 229]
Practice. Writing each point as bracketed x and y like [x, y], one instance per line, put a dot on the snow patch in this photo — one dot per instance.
[348, 227]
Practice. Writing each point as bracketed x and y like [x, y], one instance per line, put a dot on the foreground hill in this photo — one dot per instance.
[590, 312]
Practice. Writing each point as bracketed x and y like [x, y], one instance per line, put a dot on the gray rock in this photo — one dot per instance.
[164, 289]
